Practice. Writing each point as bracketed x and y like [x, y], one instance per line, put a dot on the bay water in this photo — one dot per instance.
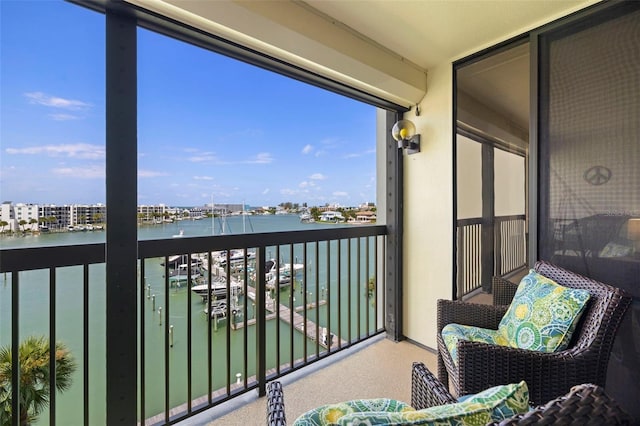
[35, 304]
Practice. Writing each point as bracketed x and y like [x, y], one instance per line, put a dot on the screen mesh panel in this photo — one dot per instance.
[589, 169]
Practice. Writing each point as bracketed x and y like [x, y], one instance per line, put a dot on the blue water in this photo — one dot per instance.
[190, 228]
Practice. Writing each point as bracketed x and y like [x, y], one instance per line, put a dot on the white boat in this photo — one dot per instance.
[284, 273]
[218, 309]
[235, 256]
[218, 289]
[306, 218]
[179, 234]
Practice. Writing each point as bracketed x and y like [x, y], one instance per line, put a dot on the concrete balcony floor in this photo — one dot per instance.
[378, 368]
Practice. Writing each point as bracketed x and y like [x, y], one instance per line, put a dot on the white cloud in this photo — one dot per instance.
[261, 158]
[202, 157]
[359, 154]
[150, 173]
[64, 117]
[79, 150]
[266, 191]
[340, 194]
[40, 98]
[307, 149]
[305, 184]
[90, 172]
[317, 176]
[203, 178]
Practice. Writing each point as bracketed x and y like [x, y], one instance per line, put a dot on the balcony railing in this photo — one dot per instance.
[509, 250]
[218, 316]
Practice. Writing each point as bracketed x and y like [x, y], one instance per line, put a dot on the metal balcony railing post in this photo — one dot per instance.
[261, 323]
[15, 344]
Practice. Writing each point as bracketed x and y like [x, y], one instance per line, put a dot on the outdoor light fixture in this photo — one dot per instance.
[404, 132]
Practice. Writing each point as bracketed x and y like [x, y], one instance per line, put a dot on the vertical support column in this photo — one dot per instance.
[122, 244]
[488, 214]
[393, 288]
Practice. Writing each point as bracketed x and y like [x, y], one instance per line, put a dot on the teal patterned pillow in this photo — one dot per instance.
[492, 405]
[542, 315]
[330, 414]
[451, 333]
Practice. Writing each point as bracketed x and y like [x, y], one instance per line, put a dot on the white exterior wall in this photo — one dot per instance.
[469, 174]
[26, 212]
[7, 215]
[428, 203]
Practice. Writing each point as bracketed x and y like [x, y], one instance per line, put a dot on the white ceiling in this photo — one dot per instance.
[383, 47]
[428, 32]
[431, 32]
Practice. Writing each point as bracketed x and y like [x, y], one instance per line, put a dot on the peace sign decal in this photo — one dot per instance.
[597, 175]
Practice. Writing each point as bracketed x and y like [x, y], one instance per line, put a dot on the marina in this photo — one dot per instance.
[173, 307]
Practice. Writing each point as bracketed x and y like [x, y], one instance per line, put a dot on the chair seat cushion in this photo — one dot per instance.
[492, 405]
[543, 314]
[452, 333]
[330, 414]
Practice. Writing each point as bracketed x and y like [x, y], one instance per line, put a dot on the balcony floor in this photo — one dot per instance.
[380, 368]
[377, 368]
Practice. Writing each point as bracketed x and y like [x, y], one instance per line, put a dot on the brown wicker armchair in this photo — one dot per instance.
[548, 375]
[584, 405]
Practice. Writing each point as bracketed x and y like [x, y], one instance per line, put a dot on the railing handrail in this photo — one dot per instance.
[479, 220]
[27, 259]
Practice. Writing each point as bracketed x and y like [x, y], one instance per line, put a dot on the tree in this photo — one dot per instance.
[3, 223]
[35, 387]
[52, 220]
[32, 222]
[315, 213]
[22, 223]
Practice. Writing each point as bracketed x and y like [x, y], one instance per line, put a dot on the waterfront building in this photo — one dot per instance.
[55, 216]
[7, 215]
[148, 213]
[19, 217]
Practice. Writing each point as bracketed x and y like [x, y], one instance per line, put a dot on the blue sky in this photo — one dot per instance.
[208, 126]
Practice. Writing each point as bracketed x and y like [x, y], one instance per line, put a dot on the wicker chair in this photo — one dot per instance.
[584, 405]
[548, 375]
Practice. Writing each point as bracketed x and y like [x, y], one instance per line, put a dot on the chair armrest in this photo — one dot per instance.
[482, 365]
[503, 290]
[275, 405]
[426, 390]
[584, 404]
[453, 311]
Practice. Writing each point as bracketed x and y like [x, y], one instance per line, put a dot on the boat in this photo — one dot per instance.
[181, 259]
[283, 274]
[218, 289]
[235, 256]
[306, 218]
[179, 234]
[218, 309]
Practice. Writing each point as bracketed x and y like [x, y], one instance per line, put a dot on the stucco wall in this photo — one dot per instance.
[428, 221]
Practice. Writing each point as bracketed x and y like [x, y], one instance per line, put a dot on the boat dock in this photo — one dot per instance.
[309, 328]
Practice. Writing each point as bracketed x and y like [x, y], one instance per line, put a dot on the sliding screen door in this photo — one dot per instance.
[589, 167]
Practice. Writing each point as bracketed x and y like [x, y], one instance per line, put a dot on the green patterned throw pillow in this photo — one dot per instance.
[330, 414]
[542, 315]
[452, 333]
[492, 405]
